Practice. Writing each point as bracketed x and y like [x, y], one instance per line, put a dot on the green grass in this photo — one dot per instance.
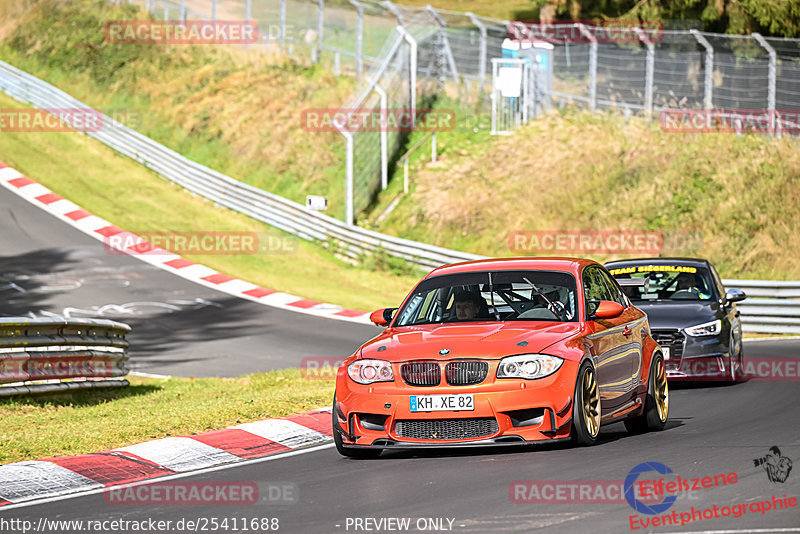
[133, 198]
[91, 421]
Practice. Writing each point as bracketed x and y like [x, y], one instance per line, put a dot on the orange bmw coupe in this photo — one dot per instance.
[502, 351]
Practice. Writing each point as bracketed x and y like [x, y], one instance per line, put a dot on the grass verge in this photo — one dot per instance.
[731, 199]
[91, 421]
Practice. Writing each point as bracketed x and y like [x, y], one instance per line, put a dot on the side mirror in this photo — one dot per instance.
[734, 295]
[607, 309]
[382, 317]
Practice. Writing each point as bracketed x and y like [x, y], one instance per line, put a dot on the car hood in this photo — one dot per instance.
[678, 315]
[484, 340]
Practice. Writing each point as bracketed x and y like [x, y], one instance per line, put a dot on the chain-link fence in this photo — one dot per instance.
[405, 57]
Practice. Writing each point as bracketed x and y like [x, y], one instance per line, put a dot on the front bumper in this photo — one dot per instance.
[699, 358]
[523, 411]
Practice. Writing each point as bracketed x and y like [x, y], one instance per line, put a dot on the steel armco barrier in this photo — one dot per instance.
[773, 307]
[46, 355]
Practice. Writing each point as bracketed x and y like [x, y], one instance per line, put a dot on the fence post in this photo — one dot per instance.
[592, 66]
[320, 26]
[445, 41]
[282, 22]
[348, 182]
[650, 70]
[384, 137]
[482, 52]
[396, 12]
[708, 90]
[182, 12]
[359, 38]
[412, 68]
[773, 67]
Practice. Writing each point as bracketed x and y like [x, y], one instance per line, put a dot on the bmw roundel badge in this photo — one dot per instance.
[444, 352]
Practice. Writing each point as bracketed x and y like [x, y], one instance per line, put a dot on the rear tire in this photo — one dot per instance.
[346, 451]
[656, 405]
[586, 411]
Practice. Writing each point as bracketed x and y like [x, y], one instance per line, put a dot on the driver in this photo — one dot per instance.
[468, 304]
[688, 282]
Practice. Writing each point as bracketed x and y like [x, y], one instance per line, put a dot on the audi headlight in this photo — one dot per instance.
[528, 366]
[706, 329]
[369, 371]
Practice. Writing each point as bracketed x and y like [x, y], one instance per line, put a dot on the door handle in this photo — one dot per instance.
[627, 332]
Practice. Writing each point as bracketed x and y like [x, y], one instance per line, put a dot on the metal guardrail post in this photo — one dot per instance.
[650, 70]
[708, 82]
[148, 5]
[412, 68]
[482, 51]
[592, 66]
[182, 12]
[214, 12]
[359, 38]
[384, 137]
[320, 28]
[773, 69]
[282, 23]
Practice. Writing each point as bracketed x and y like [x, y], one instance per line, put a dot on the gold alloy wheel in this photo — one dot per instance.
[591, 403]
[661, 390]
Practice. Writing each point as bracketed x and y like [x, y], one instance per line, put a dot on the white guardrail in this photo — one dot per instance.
[776, 308]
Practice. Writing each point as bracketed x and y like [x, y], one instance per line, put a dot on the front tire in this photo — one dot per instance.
[346, 451]
[656, 405]
[736, 359]
[586, 412]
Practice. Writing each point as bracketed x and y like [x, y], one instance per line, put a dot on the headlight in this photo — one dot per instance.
[369, 371]
[528, 366]
[706, 329]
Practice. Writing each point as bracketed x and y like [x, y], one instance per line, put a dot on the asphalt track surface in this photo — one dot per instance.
[713, 429]
[178, 327]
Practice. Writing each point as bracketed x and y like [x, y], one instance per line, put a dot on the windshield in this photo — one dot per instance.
[492, 296]
[667, 282]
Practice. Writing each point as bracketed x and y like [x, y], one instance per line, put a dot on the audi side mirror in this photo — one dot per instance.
[734, 295]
